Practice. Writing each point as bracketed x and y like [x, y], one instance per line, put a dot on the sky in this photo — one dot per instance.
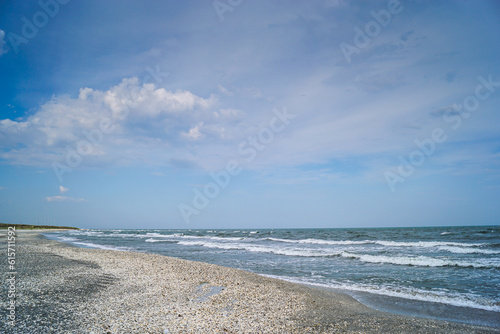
[249, 114]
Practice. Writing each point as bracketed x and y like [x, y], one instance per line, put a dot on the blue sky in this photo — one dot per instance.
[249, 114]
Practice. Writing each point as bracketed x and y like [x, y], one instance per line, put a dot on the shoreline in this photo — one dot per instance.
[373, 299]
[414, 307]
[80, 289]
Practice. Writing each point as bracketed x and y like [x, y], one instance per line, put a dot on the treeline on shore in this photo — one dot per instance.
[35, 227]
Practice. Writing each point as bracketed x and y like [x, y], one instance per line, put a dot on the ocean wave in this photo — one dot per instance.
[173, 236]
[211, 244]
[159, 240]
[425, 244]
[464, 250]
[263, 249]
[422, 261]
[213, 238]
[181, 236]
[387, 243]
[320, 241]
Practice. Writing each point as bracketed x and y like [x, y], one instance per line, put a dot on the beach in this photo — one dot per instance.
[65, 289]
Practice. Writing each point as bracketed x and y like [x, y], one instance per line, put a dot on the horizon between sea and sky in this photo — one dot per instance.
[249, 114]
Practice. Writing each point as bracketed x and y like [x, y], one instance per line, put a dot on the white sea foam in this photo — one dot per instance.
[67, 239]
[158, 235]
[263, 249]
[320, 241]
[93, 245]
[423, 261]
[425, 244]
[294, 251]
[181, 236]
[465, 250]
[208, 237]
[210, 244]
[156, 240]
[387, 243]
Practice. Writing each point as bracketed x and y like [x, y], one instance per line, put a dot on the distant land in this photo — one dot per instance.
[34, 227]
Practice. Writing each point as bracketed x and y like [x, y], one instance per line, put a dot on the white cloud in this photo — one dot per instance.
[63, 189]
[156, 127]
[194, 133]
[139, 122]
[63, 199]
[3, 49]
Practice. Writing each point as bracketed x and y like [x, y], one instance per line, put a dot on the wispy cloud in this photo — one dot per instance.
[63, 189]
[63, 199]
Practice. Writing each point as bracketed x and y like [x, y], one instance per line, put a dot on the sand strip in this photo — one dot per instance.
[65, 289]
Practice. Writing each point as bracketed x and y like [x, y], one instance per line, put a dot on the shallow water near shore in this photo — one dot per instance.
[449, 273]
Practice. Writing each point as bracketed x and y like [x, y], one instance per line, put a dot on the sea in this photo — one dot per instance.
[448, 273]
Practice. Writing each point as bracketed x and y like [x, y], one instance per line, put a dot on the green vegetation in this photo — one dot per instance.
[36, 227]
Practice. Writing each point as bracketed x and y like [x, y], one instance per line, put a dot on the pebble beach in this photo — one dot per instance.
[64, 289]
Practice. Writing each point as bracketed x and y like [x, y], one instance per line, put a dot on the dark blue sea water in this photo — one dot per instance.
[448, 273]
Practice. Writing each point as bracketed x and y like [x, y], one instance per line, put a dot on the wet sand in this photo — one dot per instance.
[65, 289]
